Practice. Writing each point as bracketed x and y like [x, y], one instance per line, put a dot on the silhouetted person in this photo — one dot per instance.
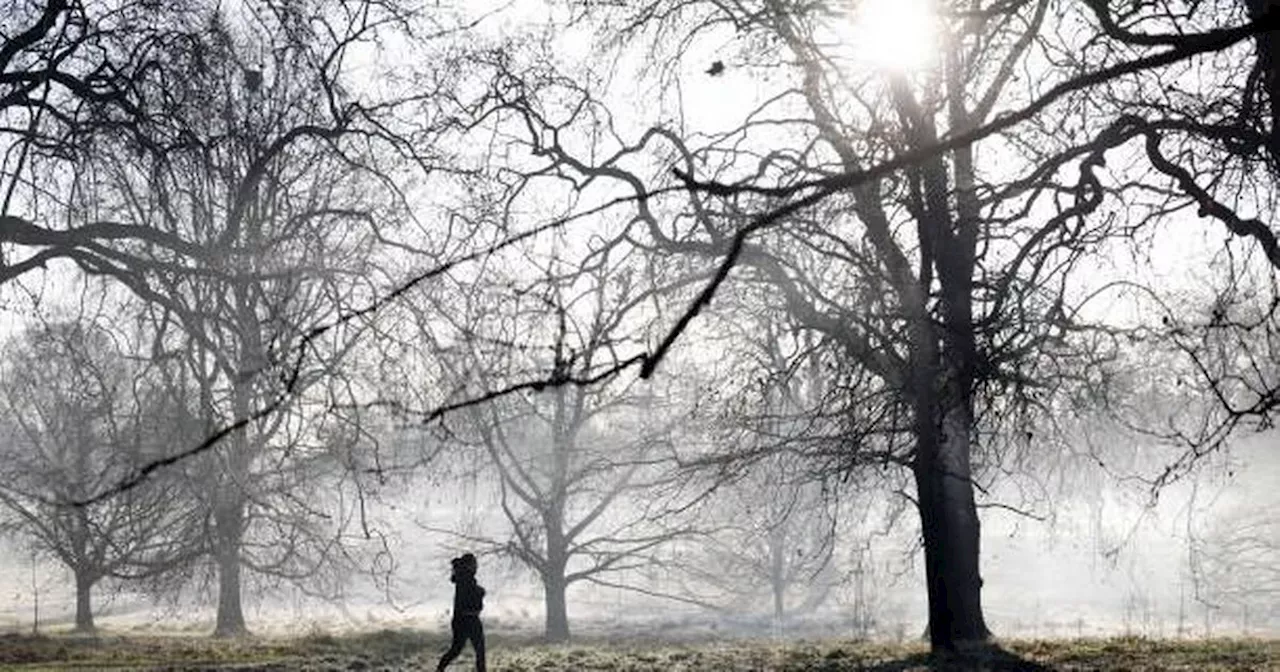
[468, 602]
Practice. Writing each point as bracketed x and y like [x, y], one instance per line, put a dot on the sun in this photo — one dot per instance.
[895, 35]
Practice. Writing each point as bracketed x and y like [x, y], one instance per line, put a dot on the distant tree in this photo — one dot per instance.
[776, 532]
[585, 472]
[774, 541]
[77, 417]
[1235, 561]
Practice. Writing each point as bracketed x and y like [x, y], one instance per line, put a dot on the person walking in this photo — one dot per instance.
[468, 602]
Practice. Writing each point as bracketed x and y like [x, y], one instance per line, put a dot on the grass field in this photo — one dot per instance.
[417, 650]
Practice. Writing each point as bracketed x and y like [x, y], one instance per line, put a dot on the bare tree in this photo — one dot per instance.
[78, 416]
[773, 450]
[1232, 559]
[585, 472]
[775, 544]
[269, 170]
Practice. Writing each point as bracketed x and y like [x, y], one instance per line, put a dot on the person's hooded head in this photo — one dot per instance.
[463, 566]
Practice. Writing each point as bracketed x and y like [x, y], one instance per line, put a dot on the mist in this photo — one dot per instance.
[1110, 562]
[859, 321]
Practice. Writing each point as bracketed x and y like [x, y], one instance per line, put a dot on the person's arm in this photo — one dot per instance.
[474, 596]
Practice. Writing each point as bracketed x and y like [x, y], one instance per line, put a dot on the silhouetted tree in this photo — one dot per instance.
[269, 168]
[77, 417]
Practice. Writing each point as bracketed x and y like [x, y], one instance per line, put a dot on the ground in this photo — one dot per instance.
[417, 650]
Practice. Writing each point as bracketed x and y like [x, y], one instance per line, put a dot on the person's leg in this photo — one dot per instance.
[459, 640]
[477, 643]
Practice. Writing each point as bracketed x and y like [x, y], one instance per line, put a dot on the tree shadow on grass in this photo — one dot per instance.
[989, 658]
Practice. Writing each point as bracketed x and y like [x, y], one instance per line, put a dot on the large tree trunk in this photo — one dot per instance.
[84, 560]
[557, 625]
[557, 562]
[941, 389]
[949, 521]
[84, 610]
[948, 512]
[228, 526]
[229, 516]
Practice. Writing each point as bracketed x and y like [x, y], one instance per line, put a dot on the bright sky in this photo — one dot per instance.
[896, 35]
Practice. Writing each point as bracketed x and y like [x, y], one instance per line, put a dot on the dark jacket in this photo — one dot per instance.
[468, 596]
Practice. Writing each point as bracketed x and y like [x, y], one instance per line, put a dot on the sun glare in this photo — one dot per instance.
[897, 35]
